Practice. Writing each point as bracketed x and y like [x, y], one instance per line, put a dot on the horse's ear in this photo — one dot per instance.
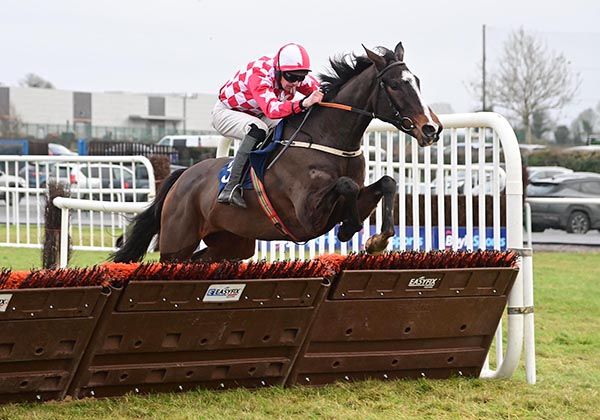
[399, 51]
[378, 60]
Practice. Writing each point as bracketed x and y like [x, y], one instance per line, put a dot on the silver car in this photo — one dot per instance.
[569, 216]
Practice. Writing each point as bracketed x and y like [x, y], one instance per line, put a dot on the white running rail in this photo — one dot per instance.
[124, 180]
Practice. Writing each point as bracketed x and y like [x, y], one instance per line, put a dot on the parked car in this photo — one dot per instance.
[37, 175]
[8, 182]
[180, 141]
[539, 172]
[475, 185]
[55, 149]
[572, 217]
[204, 140]
[106, 176]
[588, 148]
[529, 148]
[33, 175]
[85, 177]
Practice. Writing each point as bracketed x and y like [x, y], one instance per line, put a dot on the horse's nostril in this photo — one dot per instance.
[429, 130]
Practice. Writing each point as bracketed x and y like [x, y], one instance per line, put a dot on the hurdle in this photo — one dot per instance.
[139, 328]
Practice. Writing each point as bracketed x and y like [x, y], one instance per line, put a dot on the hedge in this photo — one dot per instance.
[578, 161]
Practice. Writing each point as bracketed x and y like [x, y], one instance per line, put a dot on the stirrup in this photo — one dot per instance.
[236, 198]
[232, 199]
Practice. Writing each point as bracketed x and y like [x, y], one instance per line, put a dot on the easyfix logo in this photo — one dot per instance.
[424, 282]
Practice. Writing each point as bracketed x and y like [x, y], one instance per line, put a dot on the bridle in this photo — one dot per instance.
[405, 124]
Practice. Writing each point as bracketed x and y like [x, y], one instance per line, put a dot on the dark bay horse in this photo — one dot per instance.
[312, 190]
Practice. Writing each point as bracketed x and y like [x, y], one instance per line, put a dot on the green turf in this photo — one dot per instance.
[568, 356]
[104, 237]
[26, 258]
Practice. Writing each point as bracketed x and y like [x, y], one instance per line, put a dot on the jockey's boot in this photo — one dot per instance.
[232, 193]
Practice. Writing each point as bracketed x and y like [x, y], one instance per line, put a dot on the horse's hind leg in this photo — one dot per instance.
[182, 254]
[225, 246]
[178, 237]
[368, 199]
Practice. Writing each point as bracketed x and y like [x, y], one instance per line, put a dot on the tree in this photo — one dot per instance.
[562, 135]
[11, 126]
[540, 123]
[585, 125]
[35, 81]
[531, 79]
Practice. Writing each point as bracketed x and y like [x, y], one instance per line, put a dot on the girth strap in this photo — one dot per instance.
[268, 208]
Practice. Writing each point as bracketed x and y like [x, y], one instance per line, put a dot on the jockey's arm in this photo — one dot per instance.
[266, 98]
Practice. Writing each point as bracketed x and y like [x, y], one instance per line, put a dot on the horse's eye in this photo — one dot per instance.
[393, 84]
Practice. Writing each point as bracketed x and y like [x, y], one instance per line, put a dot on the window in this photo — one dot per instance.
[541, 189]
[91, 171]
[591, 187]
[179, 143]
[141, 172]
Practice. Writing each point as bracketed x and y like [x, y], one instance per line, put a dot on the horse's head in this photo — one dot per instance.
[399, 100]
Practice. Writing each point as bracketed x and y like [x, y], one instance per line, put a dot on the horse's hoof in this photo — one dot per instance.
[376, 245]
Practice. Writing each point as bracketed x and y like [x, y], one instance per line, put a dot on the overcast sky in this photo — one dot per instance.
[196, 45]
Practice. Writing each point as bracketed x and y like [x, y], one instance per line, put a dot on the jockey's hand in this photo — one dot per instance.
[325, 87]
[313, 98]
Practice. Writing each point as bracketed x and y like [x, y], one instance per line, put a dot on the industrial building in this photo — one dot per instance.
[53, 113]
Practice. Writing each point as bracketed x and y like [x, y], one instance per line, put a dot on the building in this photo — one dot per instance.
[53, 113]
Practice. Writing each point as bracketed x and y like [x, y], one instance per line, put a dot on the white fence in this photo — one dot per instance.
[124, 180]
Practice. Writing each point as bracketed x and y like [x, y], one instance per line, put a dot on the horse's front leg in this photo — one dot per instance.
[368, 199]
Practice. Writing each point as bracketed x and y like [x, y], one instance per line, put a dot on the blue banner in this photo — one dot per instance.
[410, 239]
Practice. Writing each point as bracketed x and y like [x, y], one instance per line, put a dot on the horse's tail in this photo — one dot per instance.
[145, 225]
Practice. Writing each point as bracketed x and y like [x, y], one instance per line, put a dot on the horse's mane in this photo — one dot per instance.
[345, 67]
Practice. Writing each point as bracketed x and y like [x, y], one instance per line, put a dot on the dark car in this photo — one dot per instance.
[572, 217]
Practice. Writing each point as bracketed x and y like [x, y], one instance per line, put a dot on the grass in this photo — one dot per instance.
[25, 258]
[97, 236]
[568, 355]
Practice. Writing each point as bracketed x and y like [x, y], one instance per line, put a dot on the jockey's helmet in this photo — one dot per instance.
[292, 58]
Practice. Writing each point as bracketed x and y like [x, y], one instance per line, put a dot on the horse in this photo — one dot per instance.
[313, 188]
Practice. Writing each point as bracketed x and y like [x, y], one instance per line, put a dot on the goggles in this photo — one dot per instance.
[293, 77]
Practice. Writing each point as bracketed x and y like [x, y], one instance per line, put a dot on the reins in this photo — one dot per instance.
[349, 108]
[290, 141]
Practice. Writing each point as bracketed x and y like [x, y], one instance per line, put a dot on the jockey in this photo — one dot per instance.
[253, 102]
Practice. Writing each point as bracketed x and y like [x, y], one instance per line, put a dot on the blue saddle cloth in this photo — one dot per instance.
[258, 160]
